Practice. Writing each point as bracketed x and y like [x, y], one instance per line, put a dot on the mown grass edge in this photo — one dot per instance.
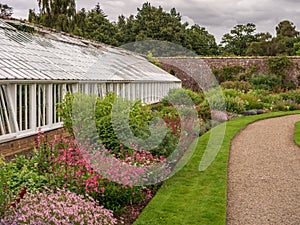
[297, 134]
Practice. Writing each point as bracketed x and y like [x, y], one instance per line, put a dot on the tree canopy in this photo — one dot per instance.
[154, 23]
[5, 11]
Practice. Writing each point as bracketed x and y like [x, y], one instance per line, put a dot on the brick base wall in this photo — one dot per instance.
[11, 148]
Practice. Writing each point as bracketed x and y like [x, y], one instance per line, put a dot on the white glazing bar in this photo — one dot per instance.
[153, 92]
[39, 111]
[111, 87]
[137, 89]
[54, 102]
[63, 91]
[44, 105]
[59, 96]
[49, 104]
[2, 120]
[104, 91]
[12, 101]
[123, 90]
[128, 90]
[118, 89]
[32, 106]
[74, 88]
[95, 92]
[20, 106]
[6, 118]
[133, 91]
[156, 92]
[26, 106]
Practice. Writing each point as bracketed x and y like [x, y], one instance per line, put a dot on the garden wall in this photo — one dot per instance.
[175, 65]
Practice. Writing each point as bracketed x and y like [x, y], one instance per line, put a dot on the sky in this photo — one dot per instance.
[217, 16]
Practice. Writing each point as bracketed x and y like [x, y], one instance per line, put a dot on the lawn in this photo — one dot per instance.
[193, 197]
[297, 133]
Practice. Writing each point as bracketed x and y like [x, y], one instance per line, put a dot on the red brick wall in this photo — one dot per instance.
[11, 148]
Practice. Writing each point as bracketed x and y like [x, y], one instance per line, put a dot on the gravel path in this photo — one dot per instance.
[264, 174]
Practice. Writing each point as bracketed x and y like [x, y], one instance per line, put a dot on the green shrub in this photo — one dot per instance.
[231, 93]
[266, 82]
[228, 73]
[5, 192]
[284, 105]
[253, 102]
[235, 105]
[242, 86]
[181, 96]
[271, 98]
[291, 95]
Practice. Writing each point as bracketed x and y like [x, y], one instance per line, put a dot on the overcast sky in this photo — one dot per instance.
[217, 16]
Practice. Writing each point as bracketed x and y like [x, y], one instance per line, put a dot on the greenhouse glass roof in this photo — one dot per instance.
[54, 56]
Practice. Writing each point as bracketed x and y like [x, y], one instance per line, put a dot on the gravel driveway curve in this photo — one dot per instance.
[264, 174]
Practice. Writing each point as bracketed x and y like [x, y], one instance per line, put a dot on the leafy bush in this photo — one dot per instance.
[5, 193]
[23, 172]
[60, 207]
[235, 105]
[253, 102]
[266, 82]
[242, 86]
[231, 93]
[180, 96]
[228, 73]
[287, 105]
[291, 95]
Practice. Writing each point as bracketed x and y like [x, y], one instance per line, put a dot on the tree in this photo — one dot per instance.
[153, 23]
[79, 23]
[264, 46]
[201, 41]
[99, 28]
[286, 36]
[286, 29]
[240, 37]
[5, 11]
[58, 14]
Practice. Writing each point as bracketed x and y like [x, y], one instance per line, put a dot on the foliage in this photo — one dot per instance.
[235, 104]
[23, 172]
[253, 102]
[297, 134]
[279, 66]
[266, 82]
[5, 192]
[55, 14]
[22, 27]
[291, 95]
[153, 60]
[283, 44]
[242, 86]
[64, 110]
[284, 105]
[287, 29]
[60, 207]
[5, 11]
[228, 73]
[239, 38]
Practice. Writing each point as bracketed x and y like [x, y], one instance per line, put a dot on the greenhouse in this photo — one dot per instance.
[37, 69]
